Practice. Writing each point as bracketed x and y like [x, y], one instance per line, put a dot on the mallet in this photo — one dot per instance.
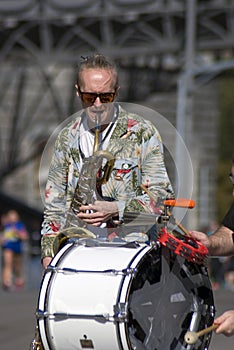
[192, 337]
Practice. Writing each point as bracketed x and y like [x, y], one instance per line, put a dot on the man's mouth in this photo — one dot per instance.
[98, 111]
[97, 114]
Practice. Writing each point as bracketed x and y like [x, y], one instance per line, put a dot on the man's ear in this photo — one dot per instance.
[117, 91]
[77, 89]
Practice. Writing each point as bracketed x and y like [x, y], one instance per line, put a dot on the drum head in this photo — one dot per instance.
[168, 297]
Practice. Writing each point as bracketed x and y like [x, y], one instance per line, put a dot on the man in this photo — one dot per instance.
[221, 243]
[134, 143]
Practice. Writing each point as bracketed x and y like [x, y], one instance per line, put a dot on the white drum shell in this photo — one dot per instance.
[88, 292]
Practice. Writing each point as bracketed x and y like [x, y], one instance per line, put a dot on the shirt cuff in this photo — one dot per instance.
[47, 242]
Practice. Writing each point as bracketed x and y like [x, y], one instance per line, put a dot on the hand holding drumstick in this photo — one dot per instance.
[192, 337]
[224, 324]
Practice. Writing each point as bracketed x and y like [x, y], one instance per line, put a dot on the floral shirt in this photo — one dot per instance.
[137, 148]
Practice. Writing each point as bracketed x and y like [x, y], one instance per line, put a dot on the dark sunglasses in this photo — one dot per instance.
[231, 177]
[88, 98]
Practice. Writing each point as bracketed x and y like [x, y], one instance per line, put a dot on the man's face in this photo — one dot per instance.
[98, 81]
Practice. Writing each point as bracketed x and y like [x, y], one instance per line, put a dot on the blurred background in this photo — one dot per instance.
[174, 56]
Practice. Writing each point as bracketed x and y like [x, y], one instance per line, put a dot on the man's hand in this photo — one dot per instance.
[226, 323]
[219, 243]
[45, 262]
[97, 213]
[201, 237]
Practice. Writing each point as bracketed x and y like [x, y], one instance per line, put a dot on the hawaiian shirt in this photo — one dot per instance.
[137, 148]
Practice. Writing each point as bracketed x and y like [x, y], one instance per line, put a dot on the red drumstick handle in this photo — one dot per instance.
[180, 202]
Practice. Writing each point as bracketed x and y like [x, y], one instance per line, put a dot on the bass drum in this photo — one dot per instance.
[132, 296]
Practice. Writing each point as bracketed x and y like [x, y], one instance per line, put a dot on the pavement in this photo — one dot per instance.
[223, 301]
[17, 309]
[17, 319]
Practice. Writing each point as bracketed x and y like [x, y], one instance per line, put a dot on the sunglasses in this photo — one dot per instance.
[88, 98]
[231, 177]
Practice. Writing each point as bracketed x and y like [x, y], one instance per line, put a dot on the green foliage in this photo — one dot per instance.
[224, 189]
[225, 144]
[226, 118]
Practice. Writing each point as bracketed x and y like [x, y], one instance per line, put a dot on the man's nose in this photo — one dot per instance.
[97, 102]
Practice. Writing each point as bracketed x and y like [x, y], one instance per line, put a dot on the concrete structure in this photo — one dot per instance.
[157, 45]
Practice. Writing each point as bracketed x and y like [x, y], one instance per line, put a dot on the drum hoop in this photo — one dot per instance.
[49, 276]
[124, 297]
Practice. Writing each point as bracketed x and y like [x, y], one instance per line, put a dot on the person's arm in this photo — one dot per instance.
[226, 323]
[22, 231]
[45, 262]
[56, 194]
[220, 243]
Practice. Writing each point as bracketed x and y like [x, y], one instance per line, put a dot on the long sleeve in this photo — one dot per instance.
[60, 186]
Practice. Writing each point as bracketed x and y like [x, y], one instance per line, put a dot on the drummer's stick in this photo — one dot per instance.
[192, 337]
[187, 233]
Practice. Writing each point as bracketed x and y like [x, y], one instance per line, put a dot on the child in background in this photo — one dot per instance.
[13, 235]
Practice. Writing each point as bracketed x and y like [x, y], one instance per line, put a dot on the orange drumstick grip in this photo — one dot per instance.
[180, 202]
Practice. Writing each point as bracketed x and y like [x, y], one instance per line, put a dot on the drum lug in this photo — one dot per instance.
[121, 312]
[41, 314]
[129, 271]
